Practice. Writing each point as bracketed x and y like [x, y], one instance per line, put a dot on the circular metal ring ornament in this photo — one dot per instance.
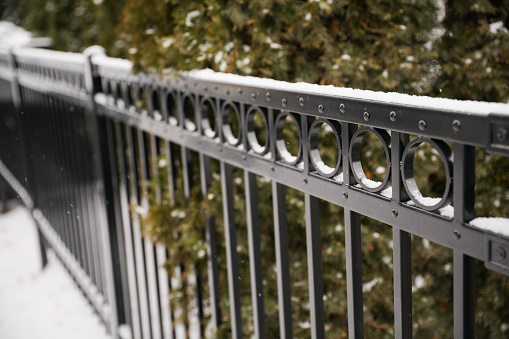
[314, 152]
[252, 139]
[206, 125]
[407, 172]
[227, 129]
[355, 157]
[189, 124]
[286, 156]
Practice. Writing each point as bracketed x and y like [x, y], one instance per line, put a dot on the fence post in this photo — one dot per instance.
[17, 101]
[103, 202]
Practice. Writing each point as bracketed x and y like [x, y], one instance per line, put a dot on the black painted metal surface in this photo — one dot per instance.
[82, 142]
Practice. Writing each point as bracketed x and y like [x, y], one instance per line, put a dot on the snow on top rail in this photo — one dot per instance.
[104, 61]
[100, 59]
[53, 56]
[466, 106]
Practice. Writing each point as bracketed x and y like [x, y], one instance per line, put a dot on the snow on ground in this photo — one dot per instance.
[37, 303]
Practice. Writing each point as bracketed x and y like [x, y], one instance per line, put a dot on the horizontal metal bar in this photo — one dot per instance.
[430, 225]
[475, 128]
[79, 98]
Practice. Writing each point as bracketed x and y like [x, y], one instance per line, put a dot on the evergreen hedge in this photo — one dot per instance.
[456, 49]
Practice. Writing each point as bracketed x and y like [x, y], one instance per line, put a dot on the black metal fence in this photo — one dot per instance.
[80, 134]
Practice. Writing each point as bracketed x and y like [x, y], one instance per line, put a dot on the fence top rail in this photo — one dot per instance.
[471, 107]
[44, 56]
[393, 98]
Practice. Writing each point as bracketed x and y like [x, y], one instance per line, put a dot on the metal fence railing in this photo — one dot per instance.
[79, 139]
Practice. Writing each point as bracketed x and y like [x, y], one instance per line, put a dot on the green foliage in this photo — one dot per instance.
[73, 25]
[362, 44]
[399, 46]
[474, 51]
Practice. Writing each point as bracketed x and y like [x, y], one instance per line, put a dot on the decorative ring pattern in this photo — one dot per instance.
[227, 128]
[171, 102]
[286, 156]
[314, 152]
[252, 138]
[209, 127]
[355, 158]
[407, 173]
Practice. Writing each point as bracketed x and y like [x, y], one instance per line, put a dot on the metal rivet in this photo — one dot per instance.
[392, 115]
[284, 102]
[500, 253]
[239, 90]
[267, 96]
[394, 213]
[342, 108]
[320, 108]
[456, 125]
[422, 125]
[244, 157]
[253, 96]
[501, 134]
[456, 234]
[301, 101]
[345, 195]
[366, 116]
[305, 180]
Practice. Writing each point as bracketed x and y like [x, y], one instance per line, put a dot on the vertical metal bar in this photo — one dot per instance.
[128, 238]
[354, 274]
[352, 247]
[159, 249]
[231, 249]
[402, 248]
[255, 255]
[99, 189]
[282, 260]
[78, 207]
[314, 255]
[171, 170]
[464, 182]
[137, 238]
[117, 232]
[464, 269]
[164, 290]
[211, 237]
[70, 163]
[172, 191]
[60, 181]
[151, 266]
[89, 212]
[188, 184]
[82, 212]
[150, 269]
